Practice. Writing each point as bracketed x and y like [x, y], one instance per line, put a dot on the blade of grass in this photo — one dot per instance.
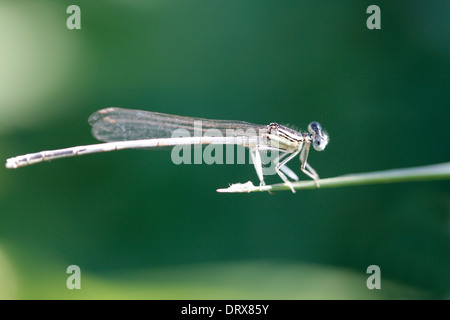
[425, 173]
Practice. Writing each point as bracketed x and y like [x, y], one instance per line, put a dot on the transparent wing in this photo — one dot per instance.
[117, 124]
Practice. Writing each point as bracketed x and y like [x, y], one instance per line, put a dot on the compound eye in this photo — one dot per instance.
[314, 128]
[319, 137]
[319, 144]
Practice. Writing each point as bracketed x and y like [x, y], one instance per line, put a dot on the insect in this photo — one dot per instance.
[129, 129]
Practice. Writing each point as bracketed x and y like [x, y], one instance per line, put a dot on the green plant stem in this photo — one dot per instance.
[425, 173]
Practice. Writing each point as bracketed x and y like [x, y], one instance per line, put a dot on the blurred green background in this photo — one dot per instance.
[141, 227]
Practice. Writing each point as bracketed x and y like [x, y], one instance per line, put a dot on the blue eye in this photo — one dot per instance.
[319, 137]
[315, 128]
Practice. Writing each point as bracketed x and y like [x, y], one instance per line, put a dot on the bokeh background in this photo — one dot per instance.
[139, 226]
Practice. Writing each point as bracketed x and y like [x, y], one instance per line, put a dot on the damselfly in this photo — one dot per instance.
[131, 129]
